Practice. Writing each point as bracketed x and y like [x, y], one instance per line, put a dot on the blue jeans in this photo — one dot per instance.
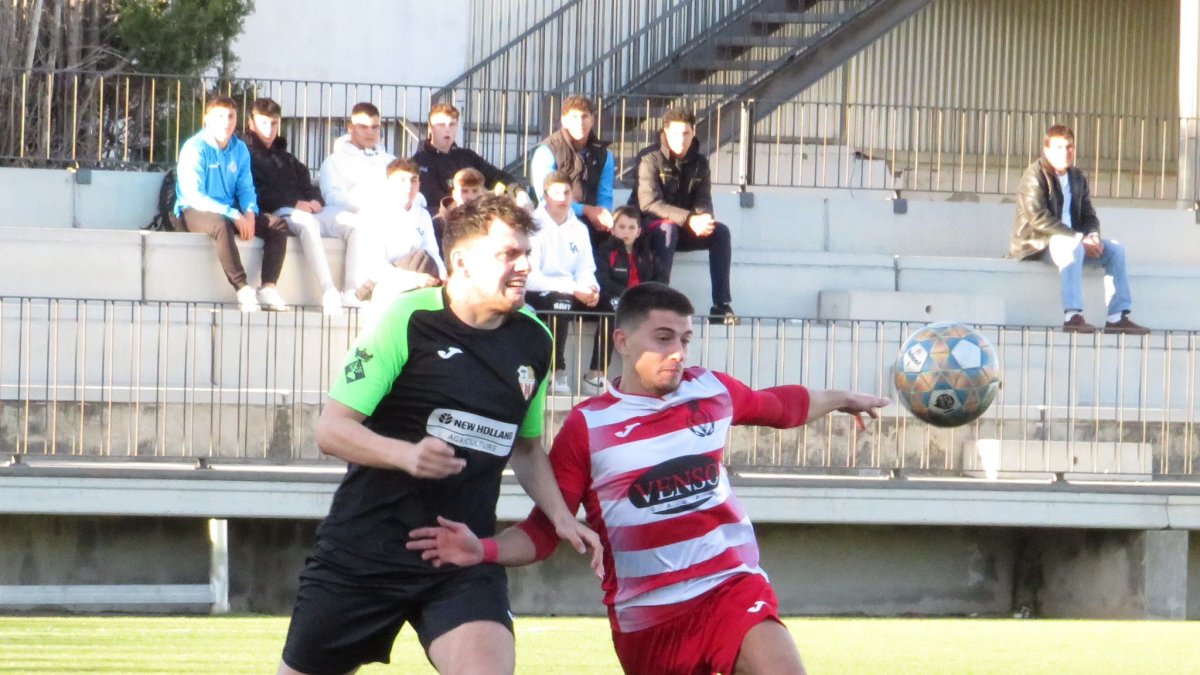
[1068, 255]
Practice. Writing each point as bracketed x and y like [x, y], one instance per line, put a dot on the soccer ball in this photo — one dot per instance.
[946, 374]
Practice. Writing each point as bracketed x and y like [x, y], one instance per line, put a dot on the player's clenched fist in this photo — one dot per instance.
[430, 458]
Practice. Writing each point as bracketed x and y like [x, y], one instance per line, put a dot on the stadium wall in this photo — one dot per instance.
[390, 41]
[816, 569]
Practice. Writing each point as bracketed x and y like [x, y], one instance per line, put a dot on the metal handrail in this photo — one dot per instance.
[499, 53]
[120, 379]
[667, 58]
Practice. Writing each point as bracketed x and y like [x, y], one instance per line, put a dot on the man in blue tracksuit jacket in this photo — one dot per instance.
[214, 194]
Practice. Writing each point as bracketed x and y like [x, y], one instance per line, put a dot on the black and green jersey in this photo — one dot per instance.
[423, 372]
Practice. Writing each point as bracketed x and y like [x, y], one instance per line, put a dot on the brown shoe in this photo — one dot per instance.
[1076, 324]
[1125, 326]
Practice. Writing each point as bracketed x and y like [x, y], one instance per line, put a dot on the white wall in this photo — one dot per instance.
[377, 41]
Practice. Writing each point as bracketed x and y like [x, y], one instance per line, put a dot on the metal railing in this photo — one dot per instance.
[597, 45]
[139, 122]
[107, 379]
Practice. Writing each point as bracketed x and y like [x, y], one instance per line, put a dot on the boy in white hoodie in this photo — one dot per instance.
[403, 254]
[351, 177]
[562, 275]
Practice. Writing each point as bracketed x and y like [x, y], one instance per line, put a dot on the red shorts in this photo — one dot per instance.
[704, 639]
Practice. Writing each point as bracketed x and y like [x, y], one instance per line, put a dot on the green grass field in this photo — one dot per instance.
[250, 644]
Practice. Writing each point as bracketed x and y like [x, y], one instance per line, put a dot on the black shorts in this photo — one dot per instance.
[342, 621]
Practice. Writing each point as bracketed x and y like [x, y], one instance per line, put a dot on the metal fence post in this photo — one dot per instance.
[746, 153]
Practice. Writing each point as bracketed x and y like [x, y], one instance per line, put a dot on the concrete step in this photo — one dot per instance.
[910, 306]
[1129, 461]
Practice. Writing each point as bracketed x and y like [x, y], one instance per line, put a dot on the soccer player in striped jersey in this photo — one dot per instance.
[681, 579]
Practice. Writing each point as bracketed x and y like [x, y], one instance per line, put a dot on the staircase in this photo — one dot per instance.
[766, 57]
[709, 56]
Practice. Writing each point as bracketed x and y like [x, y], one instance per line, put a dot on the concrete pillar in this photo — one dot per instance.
[1189, 97]
[1112, 574]
[1165, 573]
[1193, 579]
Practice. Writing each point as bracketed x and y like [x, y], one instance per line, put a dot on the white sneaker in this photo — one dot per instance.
[331, 302]
[246, 300]
[270, 299]
[593, 386]
[349, 299]
[560, 386]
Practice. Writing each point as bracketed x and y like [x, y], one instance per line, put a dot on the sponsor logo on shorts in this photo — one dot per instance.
[471, 431]
[355, 370]
[757, 607]
[677, 485]
[527, 379]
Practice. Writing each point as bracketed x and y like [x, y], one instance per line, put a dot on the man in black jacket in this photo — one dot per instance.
[440, 157]
[674, 192]
[1056, 222]
[285, 189]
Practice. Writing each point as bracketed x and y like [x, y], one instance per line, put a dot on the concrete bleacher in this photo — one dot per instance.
[798, 254]
[791, 246]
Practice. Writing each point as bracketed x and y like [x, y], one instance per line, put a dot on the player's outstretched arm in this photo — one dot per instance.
[454, 543]
[821, 403]
[340, 433]
[532, 468]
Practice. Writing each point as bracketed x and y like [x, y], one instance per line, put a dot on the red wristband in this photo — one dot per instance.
[491, 550]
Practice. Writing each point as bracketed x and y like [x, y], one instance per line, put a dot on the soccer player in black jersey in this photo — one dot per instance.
[430, 406]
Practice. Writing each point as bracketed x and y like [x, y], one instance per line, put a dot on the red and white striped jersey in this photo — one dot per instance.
[650, 475]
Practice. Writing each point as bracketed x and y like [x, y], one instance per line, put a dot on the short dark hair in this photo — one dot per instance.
[628, 211]
[1059, 131]
[556, 178]
[580, 103]
[443, 108]
[637, 303]
[403, 164]
[473, 219]
[219, 101]
[364, 107]
[266, 106]
[678, 114]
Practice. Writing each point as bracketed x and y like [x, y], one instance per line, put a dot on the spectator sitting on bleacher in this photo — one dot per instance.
[286, 190]
[674, 192]
[1056, 223]
[214, 194]
[400, 241]
[576, 151]
[562, 271]
[466, 186]
[440, 158]
[623, 261]
[354, 174]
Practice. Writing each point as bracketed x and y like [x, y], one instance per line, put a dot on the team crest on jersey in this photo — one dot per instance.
[699, 421]
[677, 485]
[527, 379]
[355, 370]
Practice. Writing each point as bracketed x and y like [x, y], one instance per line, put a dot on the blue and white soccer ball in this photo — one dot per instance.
[946, 374]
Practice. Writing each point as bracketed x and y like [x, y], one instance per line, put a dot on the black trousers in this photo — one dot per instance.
[559, 311]
[666, 237]
[273, 231]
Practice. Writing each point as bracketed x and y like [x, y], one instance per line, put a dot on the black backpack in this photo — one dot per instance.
[164, 220]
